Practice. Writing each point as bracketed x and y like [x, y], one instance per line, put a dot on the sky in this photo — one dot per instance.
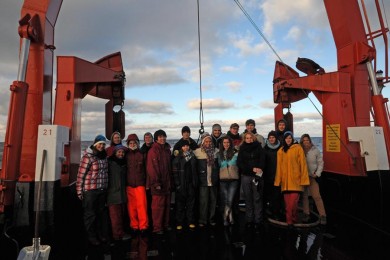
[158, 41]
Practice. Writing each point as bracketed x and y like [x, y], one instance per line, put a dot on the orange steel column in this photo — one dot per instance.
[34, 79]
[40, 79]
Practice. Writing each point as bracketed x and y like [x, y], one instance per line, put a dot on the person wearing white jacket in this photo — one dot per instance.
[315, 165]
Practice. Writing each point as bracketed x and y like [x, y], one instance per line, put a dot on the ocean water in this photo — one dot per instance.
[84, 144]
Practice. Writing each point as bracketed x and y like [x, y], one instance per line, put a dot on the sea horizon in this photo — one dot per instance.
[84, 144]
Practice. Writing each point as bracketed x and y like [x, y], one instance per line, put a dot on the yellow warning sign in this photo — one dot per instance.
[333, 138]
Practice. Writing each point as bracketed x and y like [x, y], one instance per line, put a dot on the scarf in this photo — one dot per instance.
[210, 155]
[273, 146]
[188, 155]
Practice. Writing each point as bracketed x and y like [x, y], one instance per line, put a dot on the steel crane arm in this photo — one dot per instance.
[30, 101]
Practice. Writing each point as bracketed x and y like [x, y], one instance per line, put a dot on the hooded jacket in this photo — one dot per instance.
[184, 172]
[92, 173]
[291, 170]
[116, 192]
[315, 163]
[136, 175]
[158, 168]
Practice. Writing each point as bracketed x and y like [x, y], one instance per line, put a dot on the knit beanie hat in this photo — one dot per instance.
[204, 137]
[272, 133]
[99, 139]
[250, 122]
[216, 127]
[120, 147]
[287, 133]
[185, 129]
[158, 133]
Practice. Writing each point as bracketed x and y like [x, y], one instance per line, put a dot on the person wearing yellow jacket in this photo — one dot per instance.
[291, 175]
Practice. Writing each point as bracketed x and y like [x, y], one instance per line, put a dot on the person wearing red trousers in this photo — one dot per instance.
[135, 189]
[160, 179]
[291, 175]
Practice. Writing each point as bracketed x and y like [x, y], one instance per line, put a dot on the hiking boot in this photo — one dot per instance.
[323, 220]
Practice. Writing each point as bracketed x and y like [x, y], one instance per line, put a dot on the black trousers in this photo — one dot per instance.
[185, 203]
[253, 191]
[95, 214]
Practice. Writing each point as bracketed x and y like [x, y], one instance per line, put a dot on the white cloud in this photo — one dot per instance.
[211, 104]
[229, 69]
[249, 45]
[295, 33]
[268, 104]
[151, 76]
[135, 106]
[282, 12]
[234, 86]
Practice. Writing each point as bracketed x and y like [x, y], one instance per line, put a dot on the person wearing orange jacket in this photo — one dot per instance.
[136, 182]
[291, 175]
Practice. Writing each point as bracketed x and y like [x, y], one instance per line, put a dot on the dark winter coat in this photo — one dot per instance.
[193, 145]
[217, 140]
[116, 192]
[270, 161]
[158, 169]
[145, 149]
[136, 175]
[251, 156]
[184, 172]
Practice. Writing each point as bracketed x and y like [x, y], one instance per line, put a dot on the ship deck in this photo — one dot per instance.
[341, 238]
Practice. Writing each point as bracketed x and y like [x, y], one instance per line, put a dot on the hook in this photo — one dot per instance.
[201, 130]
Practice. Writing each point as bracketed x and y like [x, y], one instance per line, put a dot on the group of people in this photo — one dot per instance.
[205, 177]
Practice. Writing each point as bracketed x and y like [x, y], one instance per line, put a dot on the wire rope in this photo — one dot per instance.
[201, 116]
[280, 59]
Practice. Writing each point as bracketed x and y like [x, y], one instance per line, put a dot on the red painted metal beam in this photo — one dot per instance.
[77, 78]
